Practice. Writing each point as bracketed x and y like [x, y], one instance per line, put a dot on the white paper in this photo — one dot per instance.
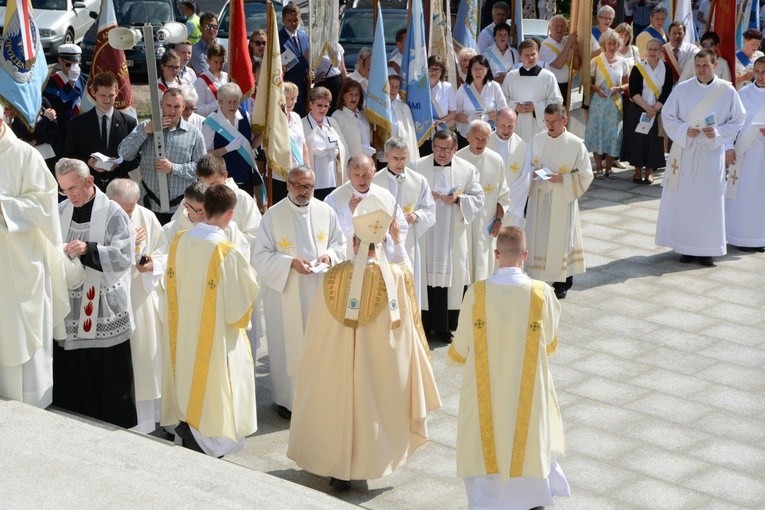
[645, 124]
[543, 174]
[318, 267]
[289, 59]
[105, 162]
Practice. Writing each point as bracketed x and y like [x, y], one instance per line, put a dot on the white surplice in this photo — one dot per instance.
[516, 155]
[275, 273]
[745, 215]
[446, 248]
[491, 173]
[691, 218]
[541, 90]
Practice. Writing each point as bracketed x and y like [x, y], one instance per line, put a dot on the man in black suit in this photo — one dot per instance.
[297, 67]
[86, 133]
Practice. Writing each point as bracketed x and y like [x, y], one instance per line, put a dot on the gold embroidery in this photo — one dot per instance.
[488, 188]
[674, 166]
[483, 383]
[376, 227]
[734, 177]
[455, 356]
[563, 169]
[321, 236]
[409, 208]
[515, 167]
[285, 244]
[337, 286]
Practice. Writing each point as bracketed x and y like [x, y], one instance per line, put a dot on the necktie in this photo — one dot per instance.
[104, 135]
[676, 52]
[296, 42]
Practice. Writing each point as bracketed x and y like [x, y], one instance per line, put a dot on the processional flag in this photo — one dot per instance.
[107, 59]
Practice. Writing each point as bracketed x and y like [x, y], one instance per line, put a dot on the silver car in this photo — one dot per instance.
[60, 21]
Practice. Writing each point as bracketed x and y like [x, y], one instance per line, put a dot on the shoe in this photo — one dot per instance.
[599, 174]
[748, 249]
[686, 259]
[560, 293]
[618, 164]
[284, 412]
[637, 180]
[706, 261]
[183, 431]
[760, 249]
[648, 179]
[609, 174]
[340, 485]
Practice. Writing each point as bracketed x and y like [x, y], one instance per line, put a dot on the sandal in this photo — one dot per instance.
[637, 178]
[648, 179]
[609, 174]
[599, 174]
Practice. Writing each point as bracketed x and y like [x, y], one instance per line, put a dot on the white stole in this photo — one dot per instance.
[91, 289]
[284, 232]
[745, 139]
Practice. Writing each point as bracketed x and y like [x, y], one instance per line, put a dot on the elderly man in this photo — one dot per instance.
[344, 199]
[208, 23]
[34, 301]
[491, 174]
[529, 90]
[183, 146]
[146, 292]
[653, 31]
[557, 51]
[365, 383]
[518, 470]
[702, 116]
[299, 236]
[209, 373]
[92, 364]
[500, 11]
[744, 207]
[363, 65]
[457, 191]
[552, 220]
[516, 157]
[677, 53]
[413, 195]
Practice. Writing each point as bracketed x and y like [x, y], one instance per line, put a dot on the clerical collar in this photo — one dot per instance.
[436, 163]
[707, 83]
[758, 86]
[534, 71]
[392, 173]
[297, 205]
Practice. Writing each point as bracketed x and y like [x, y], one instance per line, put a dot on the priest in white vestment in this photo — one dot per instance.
[491, 173]
[365, 384]
[298, 236]
[361, 170]
[509, 423]
[528, 90]
[208, 389]
[413, 195]
[92, 363]
[35, 298]
[516, 155]
[146, 293]
[553, 232]
[744, 204]
[702, 117]
[457, 191]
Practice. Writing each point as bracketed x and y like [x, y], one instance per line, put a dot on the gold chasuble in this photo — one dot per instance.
[209, 372]
[506, 383]
[363, 392]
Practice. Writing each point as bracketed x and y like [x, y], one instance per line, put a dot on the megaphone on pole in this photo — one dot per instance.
[124, 38]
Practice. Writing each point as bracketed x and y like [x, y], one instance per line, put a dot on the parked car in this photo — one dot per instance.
[357, 31]
[59, 21]
[254, 17]
[535, 29]
[134, 14]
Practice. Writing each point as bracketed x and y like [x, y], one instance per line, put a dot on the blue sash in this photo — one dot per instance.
[297, 154]
[655, 33]
[215, 125]
[476, 103]
[493, 56]
[596, 33]
[741, 56]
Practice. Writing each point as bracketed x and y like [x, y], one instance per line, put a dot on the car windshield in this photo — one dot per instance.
[134, 12]
[356, 26]
[49, 5]
[254, 18]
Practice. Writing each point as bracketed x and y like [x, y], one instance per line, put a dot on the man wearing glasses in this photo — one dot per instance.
[710, 41]
[64, 90]
[299, 238]
[208, 22]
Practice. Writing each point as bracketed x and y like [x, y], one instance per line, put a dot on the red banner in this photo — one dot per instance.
[725, 25]
[239, 63]
[110, 60]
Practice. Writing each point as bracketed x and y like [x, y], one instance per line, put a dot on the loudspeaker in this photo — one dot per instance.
[124, 38]
[172, 33]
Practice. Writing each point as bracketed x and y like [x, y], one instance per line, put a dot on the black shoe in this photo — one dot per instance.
[686, 259]
[340, 485]
[561, 293]
[706, 261]
[183, 431]
[284, 412]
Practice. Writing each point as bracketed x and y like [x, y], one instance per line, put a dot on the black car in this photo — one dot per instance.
[134, 14]
[357, 31]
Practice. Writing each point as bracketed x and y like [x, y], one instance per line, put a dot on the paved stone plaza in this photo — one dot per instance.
[659, 373]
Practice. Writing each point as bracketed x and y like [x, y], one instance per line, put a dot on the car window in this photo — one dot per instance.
[50, 5]
[134, 12]
[254, 18]
[356, 26]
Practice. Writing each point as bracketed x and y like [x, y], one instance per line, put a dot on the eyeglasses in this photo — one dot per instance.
[605, 18]
[258, 43]
[300, 187]
[172, 68]
[438, 148]
[211, 27]
[193, 209]
[708, 45]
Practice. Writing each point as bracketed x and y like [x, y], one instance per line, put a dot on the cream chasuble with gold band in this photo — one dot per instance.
[209, 379]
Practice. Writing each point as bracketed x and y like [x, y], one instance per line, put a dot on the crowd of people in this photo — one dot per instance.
[141, 297]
